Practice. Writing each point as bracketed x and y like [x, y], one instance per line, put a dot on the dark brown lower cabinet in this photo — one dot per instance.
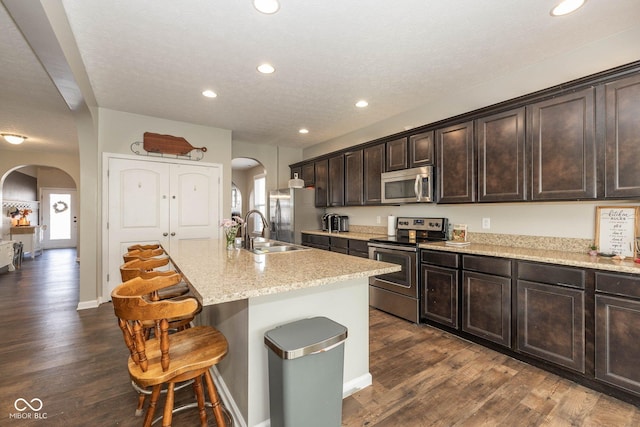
[339, 244]
[440, 295]
[439, 280]
[486, 306]
[359, 248]
[618, 342]
[315, 241]
[551, 324]
[618, 331]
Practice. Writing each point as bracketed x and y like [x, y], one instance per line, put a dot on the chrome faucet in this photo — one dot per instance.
[248, 241]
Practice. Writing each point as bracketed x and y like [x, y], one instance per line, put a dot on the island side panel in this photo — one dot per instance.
[231, 318]
[344, 302]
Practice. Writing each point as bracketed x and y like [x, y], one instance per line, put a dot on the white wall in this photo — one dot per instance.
[552, 219]
[276, 160]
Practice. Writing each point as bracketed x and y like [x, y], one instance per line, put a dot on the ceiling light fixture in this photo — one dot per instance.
[209, 93]
[266, 6]
[13, 139]
[361, 103]
[566, 6]
[266, 68]
[303, 130]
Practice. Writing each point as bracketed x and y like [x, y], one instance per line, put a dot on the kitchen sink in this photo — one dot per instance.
[272, 246]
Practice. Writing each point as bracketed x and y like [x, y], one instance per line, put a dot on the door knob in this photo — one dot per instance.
[165, 234]
[173, 234]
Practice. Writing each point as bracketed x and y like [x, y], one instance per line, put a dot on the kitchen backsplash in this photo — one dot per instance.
[566, 244]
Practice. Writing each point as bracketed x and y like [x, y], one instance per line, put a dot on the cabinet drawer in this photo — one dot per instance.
[551, 274]
[444, 259]
[359, 245]
[339, 250]
[496, 266]
[339, 242]
[618, 284]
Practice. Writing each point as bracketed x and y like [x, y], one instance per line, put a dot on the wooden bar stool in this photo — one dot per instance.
[141, 247]
[143, 253]
[169, 358]
[175, 323]
[146, 268]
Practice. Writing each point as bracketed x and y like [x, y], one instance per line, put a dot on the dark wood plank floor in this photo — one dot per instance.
[75, 363]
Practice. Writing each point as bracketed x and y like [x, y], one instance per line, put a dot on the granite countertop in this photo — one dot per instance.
[573, 259]
[218, 275]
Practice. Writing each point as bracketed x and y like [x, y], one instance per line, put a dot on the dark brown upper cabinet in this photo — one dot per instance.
[562, 139]
[421, 149]
[336, 180]
[622, 139]
[373, 167]
[322, 183]
[308, 174]
[353, 182]
[501, 161]
[397, 158]
[454, 148]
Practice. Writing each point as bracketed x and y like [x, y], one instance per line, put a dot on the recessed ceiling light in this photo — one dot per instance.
[209, 93]
[13, 139]
[303, 130]
[266, 68]
[267, 6]
[362, 103]
[566, 6]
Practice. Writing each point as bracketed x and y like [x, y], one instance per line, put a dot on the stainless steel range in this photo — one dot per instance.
[398, 293]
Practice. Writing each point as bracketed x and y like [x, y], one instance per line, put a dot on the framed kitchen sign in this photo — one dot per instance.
[616, 229]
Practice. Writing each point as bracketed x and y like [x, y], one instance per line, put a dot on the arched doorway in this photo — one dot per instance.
[47, 195]
[249, 189]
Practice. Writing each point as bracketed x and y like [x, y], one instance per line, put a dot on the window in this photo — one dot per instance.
[259, 199]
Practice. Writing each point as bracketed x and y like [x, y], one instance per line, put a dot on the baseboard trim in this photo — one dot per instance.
[356, 384]
[84, 305]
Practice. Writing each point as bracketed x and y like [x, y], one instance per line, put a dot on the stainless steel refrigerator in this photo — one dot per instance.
[292, 210]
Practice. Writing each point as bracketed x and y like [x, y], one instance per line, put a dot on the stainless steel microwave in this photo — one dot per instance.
[408, 186]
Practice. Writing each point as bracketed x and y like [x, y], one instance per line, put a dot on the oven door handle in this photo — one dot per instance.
[393, 247]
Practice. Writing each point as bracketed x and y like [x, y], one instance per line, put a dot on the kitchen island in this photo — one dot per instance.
[245, 294]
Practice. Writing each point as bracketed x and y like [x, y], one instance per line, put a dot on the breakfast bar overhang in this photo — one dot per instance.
[246, 294]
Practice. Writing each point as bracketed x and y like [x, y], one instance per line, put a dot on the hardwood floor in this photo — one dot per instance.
[75, 363]
[426, 377]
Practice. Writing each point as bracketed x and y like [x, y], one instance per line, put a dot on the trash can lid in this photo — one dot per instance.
[306, 336]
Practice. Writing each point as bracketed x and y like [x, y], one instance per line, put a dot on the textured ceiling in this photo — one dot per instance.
[155, 58]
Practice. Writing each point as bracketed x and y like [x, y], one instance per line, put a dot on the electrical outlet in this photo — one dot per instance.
[486, 223]
[378, 220]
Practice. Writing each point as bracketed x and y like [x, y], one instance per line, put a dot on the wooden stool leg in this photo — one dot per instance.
[168, 406]
[155, 393]
[199, 391]
[215, 400]
[139, 408]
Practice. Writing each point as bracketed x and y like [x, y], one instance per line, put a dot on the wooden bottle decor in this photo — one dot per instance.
[155, 143]
[167, 144]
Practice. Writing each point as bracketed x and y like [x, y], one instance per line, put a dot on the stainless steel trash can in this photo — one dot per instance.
[306, 364]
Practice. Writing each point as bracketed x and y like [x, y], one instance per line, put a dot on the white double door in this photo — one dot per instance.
[158, 202]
